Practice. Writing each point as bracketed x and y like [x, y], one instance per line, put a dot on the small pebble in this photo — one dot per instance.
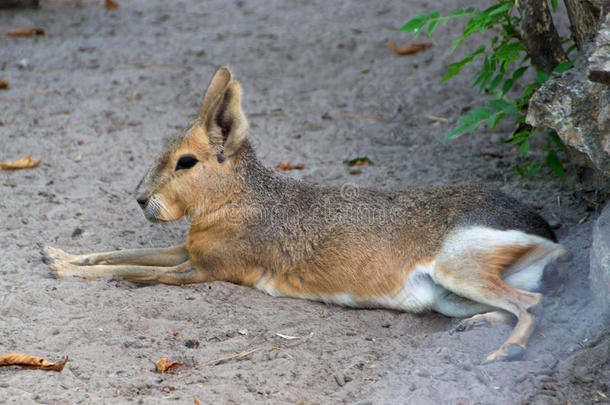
[422, 373]
[340, 379]
[192, 343]
[133, 344]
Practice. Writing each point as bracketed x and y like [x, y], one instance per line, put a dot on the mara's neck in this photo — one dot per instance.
[253, 187]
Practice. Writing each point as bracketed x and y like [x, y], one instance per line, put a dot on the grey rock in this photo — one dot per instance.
[579, 111]
[599, 273]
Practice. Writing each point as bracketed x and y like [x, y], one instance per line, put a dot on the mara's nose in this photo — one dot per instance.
[142, 201]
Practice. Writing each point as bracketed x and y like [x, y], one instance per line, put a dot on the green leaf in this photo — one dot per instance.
[556, 140]
[552, 161]
[481, 113]
[499, 8]
[525, 147]
[495, 82]
[507, 86]
[415, 24]
[511, 51]
[485, 78]
[432, 27]
[518, 138]
[495, 121]
[533, 168]
[554, 5]
[564, 66]
[498, 104]
[468, 119]
[458, 130]
[519, 72]
[571, 49]
[542, 77]
[454, 68]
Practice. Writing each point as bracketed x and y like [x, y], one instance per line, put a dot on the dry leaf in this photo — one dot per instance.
[27, 361]
[408, 48]
[223, 359]
[25, 163]
[3, 83]
[289, 166]
[164, 365]
[195, 401]
[287, 337]
[25, 32]
[491, 155]
[437, 120]
[111, 4]
[359, 162]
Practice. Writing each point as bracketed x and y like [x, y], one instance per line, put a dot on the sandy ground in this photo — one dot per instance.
[96, 98]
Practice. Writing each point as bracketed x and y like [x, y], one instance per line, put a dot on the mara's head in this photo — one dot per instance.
[194, 173]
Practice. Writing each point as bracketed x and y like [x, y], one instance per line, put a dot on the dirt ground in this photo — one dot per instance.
[96, 97]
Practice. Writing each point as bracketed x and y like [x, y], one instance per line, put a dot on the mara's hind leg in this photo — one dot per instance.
[474, 271]
[481, 282]
[473, 263]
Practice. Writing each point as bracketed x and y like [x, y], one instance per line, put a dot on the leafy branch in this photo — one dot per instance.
[504, 60]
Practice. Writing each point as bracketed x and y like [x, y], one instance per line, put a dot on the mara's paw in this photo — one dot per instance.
[56, 267]
[469, 323]
[61, 268]
[510, 352]
[50, 254]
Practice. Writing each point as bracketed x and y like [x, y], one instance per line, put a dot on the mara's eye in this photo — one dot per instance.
[186, 162]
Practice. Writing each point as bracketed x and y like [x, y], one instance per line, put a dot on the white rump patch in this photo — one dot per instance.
[526, 272]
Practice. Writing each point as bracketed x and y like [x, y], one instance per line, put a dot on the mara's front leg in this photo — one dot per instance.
[162, 257]
[183, 273]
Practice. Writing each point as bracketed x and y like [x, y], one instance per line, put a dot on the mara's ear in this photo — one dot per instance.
[225, 122]
[219, 81]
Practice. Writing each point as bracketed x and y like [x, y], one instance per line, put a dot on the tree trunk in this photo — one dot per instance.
[584, 20]
[539, 34]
